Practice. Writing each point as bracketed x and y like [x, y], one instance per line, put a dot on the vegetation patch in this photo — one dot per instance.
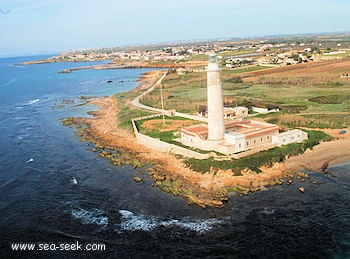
[330, 99]
[229, 85]
[330, 84]
[254, 162]
[322, 121]
[243, 70]
[286, 80]
[173, 186]
[167, 131]
[290, 91]
[126, 112]
[73, 122]
[294, 108]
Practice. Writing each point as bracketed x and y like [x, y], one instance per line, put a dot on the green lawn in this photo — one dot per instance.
[341, 55]
[228, 72]
[289, 95]
[126, 112]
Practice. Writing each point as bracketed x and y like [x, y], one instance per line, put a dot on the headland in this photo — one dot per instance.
[172, 175]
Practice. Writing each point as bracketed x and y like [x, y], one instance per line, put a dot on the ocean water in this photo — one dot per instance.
[53, 189]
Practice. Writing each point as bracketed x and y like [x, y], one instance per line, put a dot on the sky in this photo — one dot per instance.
[49, 26]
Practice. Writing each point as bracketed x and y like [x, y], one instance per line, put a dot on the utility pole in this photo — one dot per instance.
[162, 102]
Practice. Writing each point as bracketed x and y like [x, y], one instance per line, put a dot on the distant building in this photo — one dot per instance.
[239, 111]
[345, 75]
[264, 110]
[288, 137]
[229, 112]
[181, 71]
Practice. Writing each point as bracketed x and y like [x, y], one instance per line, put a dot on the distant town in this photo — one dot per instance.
[232, 53]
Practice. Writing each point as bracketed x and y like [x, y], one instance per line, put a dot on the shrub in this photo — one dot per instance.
[330, 99]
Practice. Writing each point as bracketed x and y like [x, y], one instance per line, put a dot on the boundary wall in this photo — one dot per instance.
[162, 146]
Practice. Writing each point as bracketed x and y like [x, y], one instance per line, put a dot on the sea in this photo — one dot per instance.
[60, 196]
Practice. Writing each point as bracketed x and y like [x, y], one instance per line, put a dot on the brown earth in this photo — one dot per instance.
[148, 79]
[325, 154]
[166, 125]
[318, 70]
[193, 63]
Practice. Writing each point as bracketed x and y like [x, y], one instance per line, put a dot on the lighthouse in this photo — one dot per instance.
[216, 124]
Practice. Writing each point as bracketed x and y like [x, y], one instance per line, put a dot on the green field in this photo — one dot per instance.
[292, 95]
[341, 55]
[126, 111]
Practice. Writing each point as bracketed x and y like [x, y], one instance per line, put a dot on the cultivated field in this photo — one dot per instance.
[309, 95]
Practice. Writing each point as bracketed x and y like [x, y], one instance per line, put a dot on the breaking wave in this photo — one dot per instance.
[32, 101]
[132, 222]
[95, 217]
[268, 211]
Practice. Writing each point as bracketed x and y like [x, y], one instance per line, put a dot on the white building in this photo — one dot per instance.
[264, 110]
[232, 112]
[288, 137]
[239, 135]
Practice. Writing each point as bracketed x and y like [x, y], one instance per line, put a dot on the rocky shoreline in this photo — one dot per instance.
[171, 175]
[121, 65]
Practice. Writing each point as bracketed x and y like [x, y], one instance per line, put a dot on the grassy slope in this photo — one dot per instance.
[317, 99]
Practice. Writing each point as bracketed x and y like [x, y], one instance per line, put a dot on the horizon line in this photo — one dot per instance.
[218, 39]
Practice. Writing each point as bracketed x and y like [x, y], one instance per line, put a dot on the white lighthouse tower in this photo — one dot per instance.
[216, 124]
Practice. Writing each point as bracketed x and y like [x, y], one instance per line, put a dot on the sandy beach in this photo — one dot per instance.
[171, 175]
[324, 154]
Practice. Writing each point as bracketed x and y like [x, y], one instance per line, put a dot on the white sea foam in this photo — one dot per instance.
[19, 118]
[198, 225]
[30, 160]
[32, 101]
[74, 181]
[95, 217]
[19, 66]
[132, 222]
[126, 214]
[268, 211]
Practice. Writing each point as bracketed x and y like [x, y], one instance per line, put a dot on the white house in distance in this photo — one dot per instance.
[234, 112]
[230, 113]
[234, 135]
